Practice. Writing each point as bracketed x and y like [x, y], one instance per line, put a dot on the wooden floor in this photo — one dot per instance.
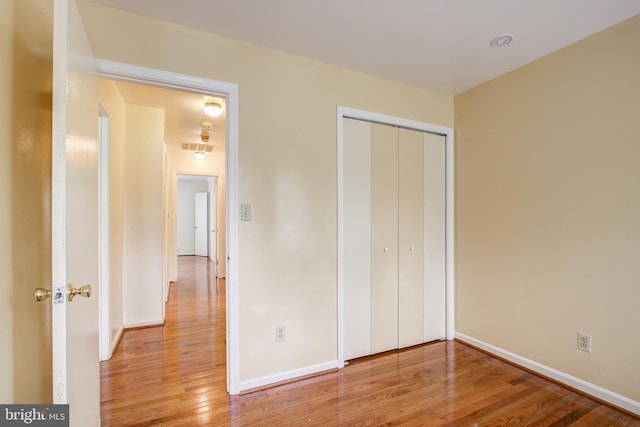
[175, 376]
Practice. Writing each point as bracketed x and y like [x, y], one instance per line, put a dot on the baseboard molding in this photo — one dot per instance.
[146, 324]
[559, 376]
[116, 339]
[286, 376]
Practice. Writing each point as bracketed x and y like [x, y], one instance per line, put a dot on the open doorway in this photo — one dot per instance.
[200, 219]
[178, 160]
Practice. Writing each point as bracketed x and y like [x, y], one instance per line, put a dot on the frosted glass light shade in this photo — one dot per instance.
[213, 109]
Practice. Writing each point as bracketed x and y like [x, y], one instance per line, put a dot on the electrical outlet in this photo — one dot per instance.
[281, 333]
[584, 342]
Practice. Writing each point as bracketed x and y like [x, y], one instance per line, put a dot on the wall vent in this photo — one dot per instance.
[202, 148]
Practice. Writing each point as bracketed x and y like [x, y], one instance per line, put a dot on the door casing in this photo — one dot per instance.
[165, 79]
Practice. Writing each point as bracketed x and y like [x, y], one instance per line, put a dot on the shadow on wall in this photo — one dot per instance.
[31, 207]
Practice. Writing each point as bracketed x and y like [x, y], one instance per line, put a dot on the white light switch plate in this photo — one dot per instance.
[245, 212]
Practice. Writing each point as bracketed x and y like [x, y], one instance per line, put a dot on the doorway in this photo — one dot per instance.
[199, 218]
[229, 92]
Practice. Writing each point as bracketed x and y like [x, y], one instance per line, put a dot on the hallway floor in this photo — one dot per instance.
[174, 373]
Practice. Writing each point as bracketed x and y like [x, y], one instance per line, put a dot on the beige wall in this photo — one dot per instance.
[143, 222]
[25, 187]
[548, 209]
[288, 164]
[113, 104]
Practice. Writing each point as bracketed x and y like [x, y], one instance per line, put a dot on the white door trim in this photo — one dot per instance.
[449, 275]
[166, 79]
[104, 263]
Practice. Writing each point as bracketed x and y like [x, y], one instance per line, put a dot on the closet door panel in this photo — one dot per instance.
[434, 237]
[411, 238]
[357, 238]
[384, 238]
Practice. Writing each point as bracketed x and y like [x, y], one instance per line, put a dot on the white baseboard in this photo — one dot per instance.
[564, 378]
[117, 338]
[287, 376]
[143, 324]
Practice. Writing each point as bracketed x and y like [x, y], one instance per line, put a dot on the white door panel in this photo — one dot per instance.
[434, 237]
[75, 217]
[357, 239]
[410, 237]
[384, 238]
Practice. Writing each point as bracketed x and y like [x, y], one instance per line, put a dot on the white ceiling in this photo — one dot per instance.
[441, 45]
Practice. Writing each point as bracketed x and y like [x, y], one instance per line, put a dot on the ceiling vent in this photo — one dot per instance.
[201, 148]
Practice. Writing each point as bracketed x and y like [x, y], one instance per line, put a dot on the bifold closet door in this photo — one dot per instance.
[421, 228]
[393, 237]
[370, 236]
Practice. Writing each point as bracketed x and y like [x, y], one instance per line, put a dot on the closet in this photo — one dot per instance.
[393, 237]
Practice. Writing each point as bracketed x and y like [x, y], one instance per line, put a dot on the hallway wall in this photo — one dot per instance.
[143, 250]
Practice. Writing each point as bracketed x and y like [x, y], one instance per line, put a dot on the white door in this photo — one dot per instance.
[200, 229]
[74, 212]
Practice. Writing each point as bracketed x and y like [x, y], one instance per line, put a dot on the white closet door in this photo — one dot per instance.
[411, 292]
[393, 238]
[357, 238]
[384, 238]
[434, 237]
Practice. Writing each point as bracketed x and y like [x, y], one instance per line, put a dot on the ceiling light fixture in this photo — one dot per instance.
[199, 155]
[213, 109]
[501, 41]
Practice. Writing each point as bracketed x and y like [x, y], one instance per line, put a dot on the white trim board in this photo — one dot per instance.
[287, 376]
[104, 263]
[353, 113]
[116, 339]
[143, 324]
[564, 378]
[166, 79]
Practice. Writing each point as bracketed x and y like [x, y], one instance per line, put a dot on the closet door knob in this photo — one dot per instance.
[386, 249]
[411, 248]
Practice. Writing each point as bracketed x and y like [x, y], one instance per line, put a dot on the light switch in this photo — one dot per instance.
[245, 212]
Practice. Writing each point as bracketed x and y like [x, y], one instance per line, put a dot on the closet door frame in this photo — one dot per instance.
[352, 113]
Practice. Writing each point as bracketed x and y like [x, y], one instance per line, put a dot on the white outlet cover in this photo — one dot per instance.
[584, 342]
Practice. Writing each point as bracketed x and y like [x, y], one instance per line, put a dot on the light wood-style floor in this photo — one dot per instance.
[175, 376]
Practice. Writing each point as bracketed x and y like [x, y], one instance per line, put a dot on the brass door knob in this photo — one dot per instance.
[83, 291]
[41, 294]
